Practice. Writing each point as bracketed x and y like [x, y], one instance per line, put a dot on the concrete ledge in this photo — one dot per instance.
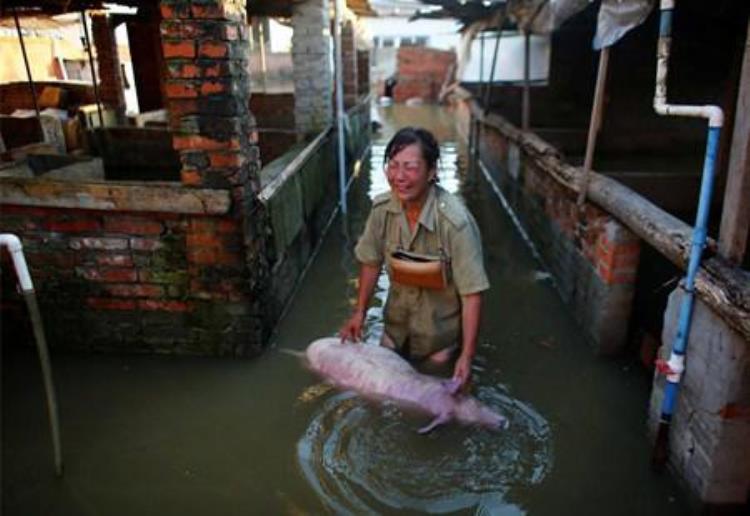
[152, 197]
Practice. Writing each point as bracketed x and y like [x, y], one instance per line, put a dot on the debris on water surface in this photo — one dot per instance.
[314, 392]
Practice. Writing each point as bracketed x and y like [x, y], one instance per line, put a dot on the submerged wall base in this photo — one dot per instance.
[710, 431]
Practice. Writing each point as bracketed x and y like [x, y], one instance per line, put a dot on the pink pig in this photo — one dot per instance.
[377, 372]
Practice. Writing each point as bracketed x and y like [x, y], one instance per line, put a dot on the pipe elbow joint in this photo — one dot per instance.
[715, 116]
[11, 241]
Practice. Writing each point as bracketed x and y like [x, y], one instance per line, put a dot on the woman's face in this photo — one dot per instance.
[408, 174]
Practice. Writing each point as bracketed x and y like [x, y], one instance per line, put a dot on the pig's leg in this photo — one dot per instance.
[441, 419]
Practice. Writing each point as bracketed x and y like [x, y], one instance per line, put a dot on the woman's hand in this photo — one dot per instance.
[352, 329]
[462, 370]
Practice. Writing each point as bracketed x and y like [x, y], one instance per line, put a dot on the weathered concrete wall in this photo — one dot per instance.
[299, 211]
[710, 430]
[313, 73]
[595, 273]
[302, 205]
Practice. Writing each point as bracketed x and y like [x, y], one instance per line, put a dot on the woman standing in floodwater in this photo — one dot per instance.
[433, 251]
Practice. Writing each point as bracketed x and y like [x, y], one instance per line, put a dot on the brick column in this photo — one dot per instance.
[208, 92]
[313, 75]
[145, 52]
[363, 71]
[349, 61]
[108, 61]
[207, 89]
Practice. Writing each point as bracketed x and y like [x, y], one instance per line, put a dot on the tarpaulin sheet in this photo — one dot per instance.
[617, 17]
[544, 16]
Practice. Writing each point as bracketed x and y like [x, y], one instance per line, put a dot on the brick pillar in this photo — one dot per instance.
[349, 61]
[145, 52]
[207, 89]
[363, 71]
[313, 74]
[108, 69]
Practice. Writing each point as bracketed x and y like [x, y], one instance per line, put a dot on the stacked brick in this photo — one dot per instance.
[108, 62]
[313, 75]
[421, 72]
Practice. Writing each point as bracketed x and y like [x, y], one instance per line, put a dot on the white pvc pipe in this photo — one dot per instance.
[713, 114]
[13, 243]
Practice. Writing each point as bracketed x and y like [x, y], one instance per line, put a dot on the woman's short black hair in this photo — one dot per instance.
[411, 135]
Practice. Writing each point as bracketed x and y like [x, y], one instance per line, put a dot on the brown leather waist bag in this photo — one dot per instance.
[419, 270]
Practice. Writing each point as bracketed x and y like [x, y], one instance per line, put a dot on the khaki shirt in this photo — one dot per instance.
[422, 321]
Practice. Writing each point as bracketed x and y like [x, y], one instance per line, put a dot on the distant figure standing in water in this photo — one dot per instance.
[432, 249]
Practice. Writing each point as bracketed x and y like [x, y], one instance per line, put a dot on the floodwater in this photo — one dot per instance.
[189, 436]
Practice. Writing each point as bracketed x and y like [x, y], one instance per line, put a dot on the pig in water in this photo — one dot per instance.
[378, 372]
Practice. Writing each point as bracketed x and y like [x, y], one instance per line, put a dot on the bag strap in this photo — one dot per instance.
[441, 249]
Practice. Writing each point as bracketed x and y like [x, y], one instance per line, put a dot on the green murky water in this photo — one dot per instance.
[161, 435]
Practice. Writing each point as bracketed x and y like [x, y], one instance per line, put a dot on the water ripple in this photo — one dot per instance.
[362, 458]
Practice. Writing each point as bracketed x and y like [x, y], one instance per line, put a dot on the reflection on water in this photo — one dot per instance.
[361, 458]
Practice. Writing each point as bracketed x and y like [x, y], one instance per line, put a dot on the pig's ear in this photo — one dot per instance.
[452, 386]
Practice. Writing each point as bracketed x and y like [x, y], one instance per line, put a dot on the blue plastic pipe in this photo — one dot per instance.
[675, 366]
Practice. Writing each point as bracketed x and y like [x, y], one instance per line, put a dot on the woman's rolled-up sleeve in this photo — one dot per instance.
[467, 261]
[370, 247]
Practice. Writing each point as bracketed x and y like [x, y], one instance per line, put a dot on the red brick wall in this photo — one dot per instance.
[273, 110]
[159, 282]
[595, 266]
[421, 72]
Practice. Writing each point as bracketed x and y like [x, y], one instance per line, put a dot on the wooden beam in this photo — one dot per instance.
[735, 216]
